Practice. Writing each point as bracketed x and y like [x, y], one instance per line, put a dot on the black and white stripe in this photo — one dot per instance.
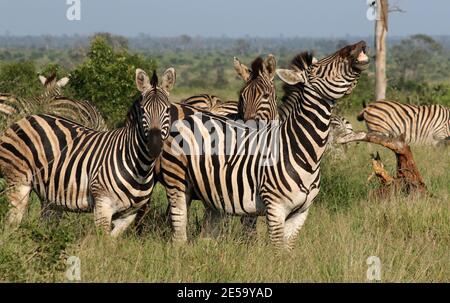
[51, 101]
[213, 104]
[426, 124]
[74, 168]
[257, 99]
[229, 179]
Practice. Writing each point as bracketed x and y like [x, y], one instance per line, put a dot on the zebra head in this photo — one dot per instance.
[52, 86]
[331, 77]
[154, 108]
[257, 100]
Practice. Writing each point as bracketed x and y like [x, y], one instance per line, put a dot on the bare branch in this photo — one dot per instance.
[396, 9]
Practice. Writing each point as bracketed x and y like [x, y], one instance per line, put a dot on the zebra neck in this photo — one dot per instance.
[308, 120]
[133, 152]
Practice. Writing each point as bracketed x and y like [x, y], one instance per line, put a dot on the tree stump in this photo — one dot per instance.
[408, 178]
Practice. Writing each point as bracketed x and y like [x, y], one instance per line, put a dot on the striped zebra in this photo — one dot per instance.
[214, 163]
[339, 127]
[52, 102]
[74, 168]
[213, 105]
[10, 104]
[426, 124]
[257, 99]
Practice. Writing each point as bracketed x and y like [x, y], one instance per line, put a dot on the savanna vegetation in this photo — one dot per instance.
[346, 225]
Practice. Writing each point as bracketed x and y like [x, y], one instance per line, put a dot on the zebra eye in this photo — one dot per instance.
[266, 96]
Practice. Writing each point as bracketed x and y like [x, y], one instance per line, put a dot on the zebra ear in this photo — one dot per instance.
[62, 82]
[292, 77]
[168, 79]
[242, 70]
[270, 65]
[42, 79]
[142, 80]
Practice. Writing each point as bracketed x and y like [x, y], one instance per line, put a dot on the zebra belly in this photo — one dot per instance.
[224, 187]
[71, 194]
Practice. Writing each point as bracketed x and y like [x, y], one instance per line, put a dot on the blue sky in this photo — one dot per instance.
[232, 18]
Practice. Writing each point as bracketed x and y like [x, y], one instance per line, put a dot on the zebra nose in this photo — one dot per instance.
[154, 142]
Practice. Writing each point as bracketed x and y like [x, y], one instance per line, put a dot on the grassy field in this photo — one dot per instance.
[346, 225]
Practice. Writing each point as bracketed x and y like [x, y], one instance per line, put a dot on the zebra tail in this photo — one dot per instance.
[360, 116]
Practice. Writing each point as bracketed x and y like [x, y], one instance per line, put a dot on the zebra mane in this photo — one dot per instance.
[257, 67]
[302, 61]
[133, 112]
[154, 80]
[50, 79]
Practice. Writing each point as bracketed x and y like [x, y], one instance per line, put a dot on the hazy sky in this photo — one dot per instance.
[264, 18]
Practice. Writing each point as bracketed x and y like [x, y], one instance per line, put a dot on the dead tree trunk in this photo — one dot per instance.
[380, 45]
[408, 177]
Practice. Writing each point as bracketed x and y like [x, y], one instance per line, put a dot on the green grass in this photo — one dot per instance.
[411, 236]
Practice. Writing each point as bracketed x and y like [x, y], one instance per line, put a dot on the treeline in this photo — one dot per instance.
[102, 68]
[185, 42]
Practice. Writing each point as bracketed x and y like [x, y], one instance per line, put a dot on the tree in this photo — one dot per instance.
[380, 45]
[19, 78]
[419, 58]
[381, 28]
[242, 46]
[107, 79]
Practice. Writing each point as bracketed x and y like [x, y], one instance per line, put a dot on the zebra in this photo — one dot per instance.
[10, 104]
[73, 168]
[52, 102]
[425, 124]
[213, 104]
[257, 99]
[339, 127]
[230, 181]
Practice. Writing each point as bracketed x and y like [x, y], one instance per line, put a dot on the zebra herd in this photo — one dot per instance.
[248, 157]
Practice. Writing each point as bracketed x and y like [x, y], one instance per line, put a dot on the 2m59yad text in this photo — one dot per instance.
[226, 292]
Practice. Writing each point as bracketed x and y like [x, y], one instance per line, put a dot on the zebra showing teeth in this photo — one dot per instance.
[234, 175]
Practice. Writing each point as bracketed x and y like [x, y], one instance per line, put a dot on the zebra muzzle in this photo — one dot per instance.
[154, 142]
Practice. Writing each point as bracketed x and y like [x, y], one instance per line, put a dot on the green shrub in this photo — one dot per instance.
[107, 79]
[19, 78]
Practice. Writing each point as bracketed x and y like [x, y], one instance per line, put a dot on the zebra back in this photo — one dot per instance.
[213, 104]
[51, 101]
[424, 124]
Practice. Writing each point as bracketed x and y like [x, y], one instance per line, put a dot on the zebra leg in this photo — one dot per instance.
[18, 198]
[103, 213]
[121, 224]
[276, 216]
[178, 201]
[293, 224]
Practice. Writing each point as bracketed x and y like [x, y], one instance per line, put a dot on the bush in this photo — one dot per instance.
[107, 79]
[19, 78]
